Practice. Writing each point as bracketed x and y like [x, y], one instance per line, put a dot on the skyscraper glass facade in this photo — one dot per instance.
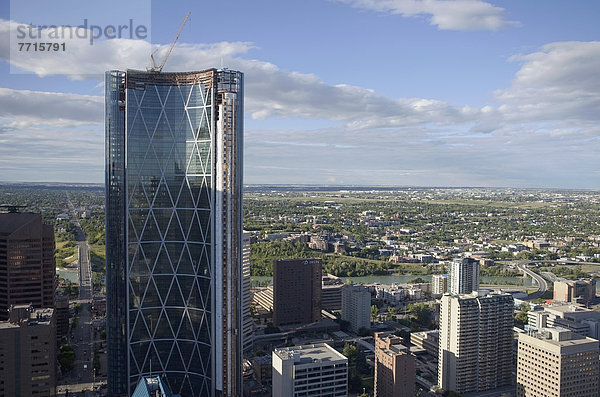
[172, 141]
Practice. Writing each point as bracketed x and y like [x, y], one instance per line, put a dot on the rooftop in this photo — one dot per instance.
[559, 336]
[12, 221]
[310, 353]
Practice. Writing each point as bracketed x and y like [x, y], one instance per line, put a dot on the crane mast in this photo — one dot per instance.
[158, 68]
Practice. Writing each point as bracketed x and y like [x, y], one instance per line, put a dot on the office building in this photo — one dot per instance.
[394, 367]
[464, 276]
[174, 230]
[577, 318]
[475, 342]
[356, 307]
[310, 370]
[583, 290]
[439, 284]
[247, 321]
[28, 352]
[296, 291]
[27, 266]
[331, 293]
[557, 362]
[62, 314]
[427, 340]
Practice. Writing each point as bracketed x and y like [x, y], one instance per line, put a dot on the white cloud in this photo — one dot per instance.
[543, 128]
[561, 81]
[445, 14]
[80, 60]
[23, 108]
[269, 91]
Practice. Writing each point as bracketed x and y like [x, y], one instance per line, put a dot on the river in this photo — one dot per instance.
[400, 279]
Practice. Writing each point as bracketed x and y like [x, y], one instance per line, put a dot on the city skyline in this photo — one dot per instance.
[476, 93]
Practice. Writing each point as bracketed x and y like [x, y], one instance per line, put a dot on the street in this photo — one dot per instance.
[81, 339]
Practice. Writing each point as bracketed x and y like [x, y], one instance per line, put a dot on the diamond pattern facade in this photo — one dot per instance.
[161, 176]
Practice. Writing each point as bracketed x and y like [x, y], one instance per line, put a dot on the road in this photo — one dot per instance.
[81, 337]
[541, 282]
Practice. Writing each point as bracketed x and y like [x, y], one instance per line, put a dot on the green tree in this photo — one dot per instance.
[351, 353]
[521, 319]
[66, 357]
[417, 280]
[374, 313]
[421, 313]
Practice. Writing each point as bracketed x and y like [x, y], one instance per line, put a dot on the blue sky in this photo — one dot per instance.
[392, 92]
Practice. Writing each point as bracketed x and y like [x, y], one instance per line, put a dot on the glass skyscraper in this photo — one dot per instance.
[174, 230]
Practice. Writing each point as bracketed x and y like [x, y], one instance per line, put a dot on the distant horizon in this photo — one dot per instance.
[313, 185]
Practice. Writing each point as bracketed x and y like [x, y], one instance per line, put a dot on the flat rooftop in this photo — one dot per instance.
[560, 337]
[320, 352]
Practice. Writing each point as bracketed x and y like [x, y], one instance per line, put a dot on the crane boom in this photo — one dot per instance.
[159, 68]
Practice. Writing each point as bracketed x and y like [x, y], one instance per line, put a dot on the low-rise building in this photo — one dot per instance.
[263, 368]
[583, 290]
[310, 370]
[427, 340]
[579, 319]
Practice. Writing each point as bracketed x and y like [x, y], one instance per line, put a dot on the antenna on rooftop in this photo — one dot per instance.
[158, 68]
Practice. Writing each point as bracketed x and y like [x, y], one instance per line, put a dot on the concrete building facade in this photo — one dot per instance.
[583, 290]
[310, 370]
[439, 284]
[464, 276]
[557, 362]
[356, 306]
[247, 321]
[394, 367]
[28, 353]
[296, 291]
[27, 265]
[475, 342]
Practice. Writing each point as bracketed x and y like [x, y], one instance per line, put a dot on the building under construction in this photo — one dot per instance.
[174, 230]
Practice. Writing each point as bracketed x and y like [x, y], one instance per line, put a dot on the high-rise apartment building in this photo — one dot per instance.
[557, 362]
[464, 276]
[439, 284]
[356, 307]
[310, 370]
[247, 321]
[394, 367]
[28, 353]
[475, 342]
[174, 230]
[574, 290]
[296, 291]
[27, 266]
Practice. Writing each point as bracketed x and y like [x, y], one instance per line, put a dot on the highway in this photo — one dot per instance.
[541, 282]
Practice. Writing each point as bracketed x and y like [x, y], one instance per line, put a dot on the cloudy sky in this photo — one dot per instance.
[376, 92]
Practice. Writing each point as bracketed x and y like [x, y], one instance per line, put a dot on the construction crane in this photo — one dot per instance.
[158, 68]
